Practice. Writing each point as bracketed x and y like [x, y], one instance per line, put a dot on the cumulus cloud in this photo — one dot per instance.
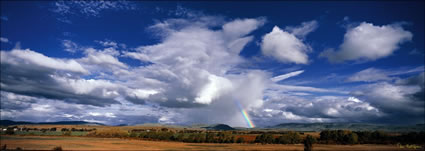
[193, 62]
[368, 42]
[26, 57]
[27, 72]
[284, 47]
[189, 77]
[396, 101]
[28, 108]
[189, 68]
[104, 57]
[402, 101]
[284, 108]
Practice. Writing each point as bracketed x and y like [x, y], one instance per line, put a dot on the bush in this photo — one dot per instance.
[289, 138]
[134, 134]
[264, 139]
[340, 137]
[351, 138]
[240, 140]
[10, 132]
[113, 132]
[66, 133]
[308, 143]
[57, 148]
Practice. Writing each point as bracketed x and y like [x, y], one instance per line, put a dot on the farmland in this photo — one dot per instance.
[156, 137]
[88, 143]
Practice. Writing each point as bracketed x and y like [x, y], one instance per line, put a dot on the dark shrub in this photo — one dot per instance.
[240, 140]
[66, 133]
[10, 132]
[57, 148]
[308, 143]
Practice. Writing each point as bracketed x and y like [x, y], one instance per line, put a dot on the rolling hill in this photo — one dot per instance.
[219, 127]
[347, 126]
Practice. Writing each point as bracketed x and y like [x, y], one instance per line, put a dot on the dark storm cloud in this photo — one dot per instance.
[401, 102]
[35, 80]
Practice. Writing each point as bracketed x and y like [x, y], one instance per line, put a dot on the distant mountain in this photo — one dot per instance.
[219, 127]
[9, 122]
[280, 127]
[347, 126]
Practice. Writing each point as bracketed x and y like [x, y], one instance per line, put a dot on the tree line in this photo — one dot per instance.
[370, 137]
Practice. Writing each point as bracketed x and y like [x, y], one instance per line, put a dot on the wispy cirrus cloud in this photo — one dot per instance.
[286, 76]
[4, 40]
[375, 75]
[88, 8]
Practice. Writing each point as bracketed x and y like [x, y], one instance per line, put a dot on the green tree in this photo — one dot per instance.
[10, 131]
[180, 137]
[232, 139]
[308, 143]
[351, 138]
[289, 138]
[264, 139]
[240, 140]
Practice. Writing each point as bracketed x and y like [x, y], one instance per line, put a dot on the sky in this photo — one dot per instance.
[245, 64]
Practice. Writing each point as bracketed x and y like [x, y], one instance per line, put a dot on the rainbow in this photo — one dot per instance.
[245, 115]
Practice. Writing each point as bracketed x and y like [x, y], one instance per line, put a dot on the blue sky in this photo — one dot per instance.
[136, 62]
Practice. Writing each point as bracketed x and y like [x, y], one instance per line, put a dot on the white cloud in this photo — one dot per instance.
[401, 102]
[5, 40]
[374, 75]
[283, 108]
[304, 29]
[369, 75]
[31, 57]
[286, 76]
[42, 108]
[241, 27]
[215, 88]
[354, 99]
[70, 46]
[94, 114]
[104, 57]
[192, 64]
[141, 93]
[107, 43]
[284, 47]
[368, 42]
[102, 88]
[90, 8]
[293, 88]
